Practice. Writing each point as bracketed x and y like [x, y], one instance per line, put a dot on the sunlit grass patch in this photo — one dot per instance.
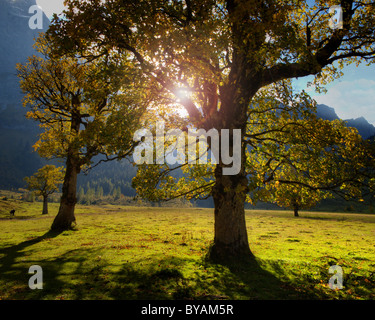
[119, 252]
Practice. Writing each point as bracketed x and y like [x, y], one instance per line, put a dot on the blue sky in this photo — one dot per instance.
[352, 96]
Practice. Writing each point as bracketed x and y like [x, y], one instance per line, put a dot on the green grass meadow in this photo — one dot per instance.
[121, 252]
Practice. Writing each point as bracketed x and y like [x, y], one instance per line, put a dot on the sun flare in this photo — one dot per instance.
[183, 93]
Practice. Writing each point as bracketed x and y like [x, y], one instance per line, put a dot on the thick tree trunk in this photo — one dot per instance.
[229, 192]
[65, 217]
[231, 241]
[295, 204]
[45, 204]
[296, 211]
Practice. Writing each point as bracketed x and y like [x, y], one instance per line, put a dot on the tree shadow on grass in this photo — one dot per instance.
[83, 273]
[13, 271]
[248, 279]
[10, 254]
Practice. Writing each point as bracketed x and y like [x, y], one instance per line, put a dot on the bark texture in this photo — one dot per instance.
[296, 211]
[229, 196]
[65, 217]
[45, 205]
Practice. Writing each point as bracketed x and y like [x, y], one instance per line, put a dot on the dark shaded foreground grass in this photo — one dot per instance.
[159, 253]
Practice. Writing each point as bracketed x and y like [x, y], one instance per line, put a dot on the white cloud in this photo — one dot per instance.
[51, 6]
[351, 99]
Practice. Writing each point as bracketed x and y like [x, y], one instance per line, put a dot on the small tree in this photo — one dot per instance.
[294, 196]
[45, 182]
[324, 158]
[297, 197]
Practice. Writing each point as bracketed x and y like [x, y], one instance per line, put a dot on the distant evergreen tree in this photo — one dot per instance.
[90, 195]
[99, 192]
[116, 193]
[81, 195]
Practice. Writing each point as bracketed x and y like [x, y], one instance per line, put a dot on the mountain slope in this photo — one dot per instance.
[325, 112]
[17, 134]
[365, 129]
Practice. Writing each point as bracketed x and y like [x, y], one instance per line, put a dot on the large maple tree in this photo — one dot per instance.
[226, 54]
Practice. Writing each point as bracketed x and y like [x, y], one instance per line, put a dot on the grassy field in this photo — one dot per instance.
[159, 253]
